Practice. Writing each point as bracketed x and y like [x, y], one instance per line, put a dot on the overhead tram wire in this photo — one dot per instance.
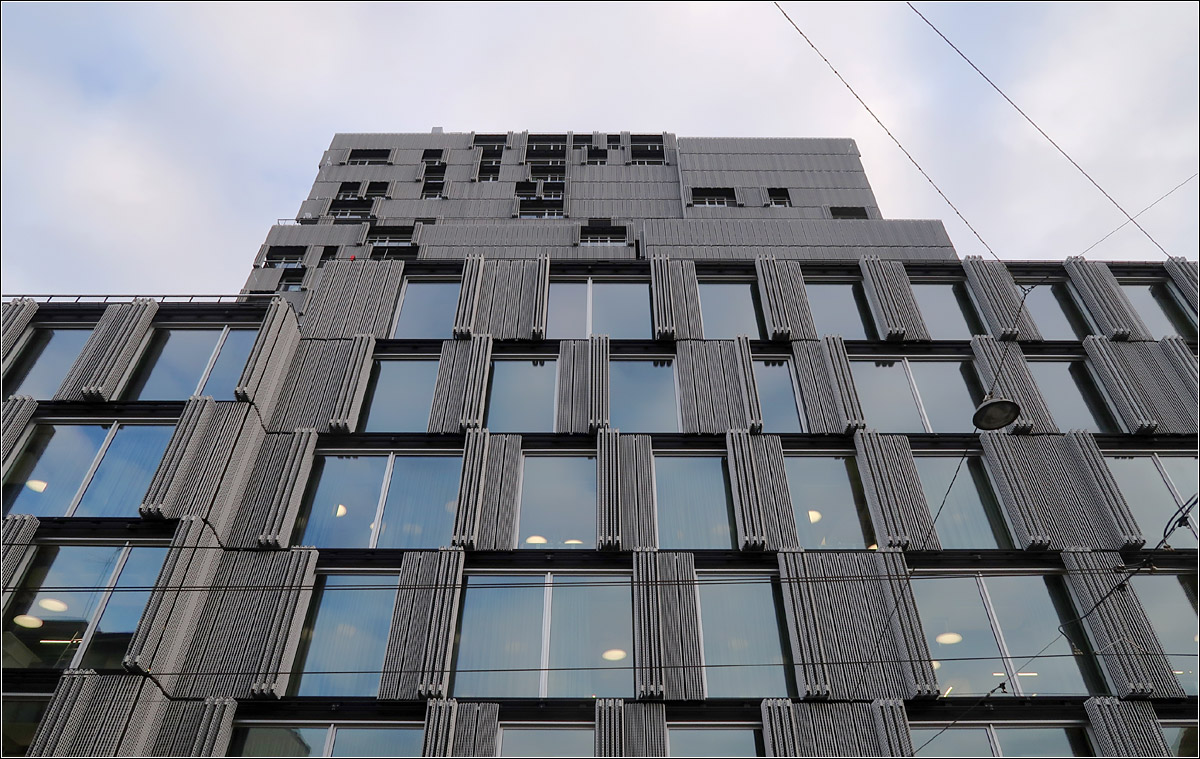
[1172, 525]
[1111, 199]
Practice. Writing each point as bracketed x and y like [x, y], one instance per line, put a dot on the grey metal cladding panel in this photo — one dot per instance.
[402, 140]
[263, 280]
[17, 411]
[840, 381]
[1184, 274]
[892, 486]
[313, 208]
[785, 303]
[848, 254]
[324, 189]
[624, 190]
[270, 357]
[823, 232]
[440, 716]
[623, 174]
[250, 626]
[1152, 385]
[472, 485]
[621, 209]
[829, 196]
[446, 208]
[634, 482]
[510, 299]
[999, 299]
[15, 316]
[893, 305]
[109, 352]
[756, 212]
[417, 662]
[1136, 663]
[557, 253]
[762, 506]
[1057, 493]
[712, 394]
[790, 162]
[771, 145]
[476, 729]
[271, 501]
[459, 394]
[310, 390]
[501, 484]
[18, 551]
[88, 714]
[645, 729]
[192, 728]
[647, 626]
[353, 298]
[483, 190]
[1002, 366]
[378, 173]
[317, 234]
[610, 727]
[400, 191]
[500, 234]
[608, 490]
[1125, 728]
[840, 180]
[1102, 295]
[781, 736]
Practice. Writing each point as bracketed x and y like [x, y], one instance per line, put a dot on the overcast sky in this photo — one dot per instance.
[148, 149]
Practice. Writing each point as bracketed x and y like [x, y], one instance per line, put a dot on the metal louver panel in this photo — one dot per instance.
[18, 550]
[417, 664]
[506, 299]
[900, 514]
[267, 511]
[839, 610]
[326, 383]
[762, 506]
[1152, 385]
[88, 714]
[675, 299]
[1102, 295]
[608, 490]
[459, 395]
[1003, 367]
[1136, 663]
[440, 716]
[352, 389]
[266, 368]
[667, 649]
[250, 625]
[501, 484]
[752, 404]
[712, 386]
[784, 301]
[471, 488]
[109, 353]
[476, 729]
[194, 728]
[645, 729]
[999, 299]
[893, 304]
[16, 413]
[583, 385]
[468, 296]
[610, 727]
[840, 381]
[1125, 728]
[635, 483]
[1058, 493]
[878, 728]
[353, 298]
[1184, 274]
[15, 316]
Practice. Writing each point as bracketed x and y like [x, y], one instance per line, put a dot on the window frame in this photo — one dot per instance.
[371, 395]
[907, 361]
[551, 358]
[967, 454]
[533, 725]
[137, 367]
[385, 485]
[114, 426]
[331, 727]
[1072, 293]
[547, 453]
[775, 584]
[27, 336]
[433, 280]
[715, 725]
[591, 280]
[673, 361]
[866, 318]
[991, 725]
[760, 314]
[1101, 393]
[835, 453]
[691, 453]
[1157, 457]
[1172, 289]
[793, 377]
[106, 590]
[951, 280]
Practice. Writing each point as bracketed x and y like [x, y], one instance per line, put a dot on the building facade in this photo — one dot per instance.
[605, 444]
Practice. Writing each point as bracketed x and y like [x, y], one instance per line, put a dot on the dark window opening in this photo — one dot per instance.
[376, 190]
[284, 257]
[432, 158]
[778, 197]
[348, 190]
[848, 212]
[369, 157]
[713, 196]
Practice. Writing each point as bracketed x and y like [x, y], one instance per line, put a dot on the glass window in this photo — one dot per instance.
[72, 610]
[642, 396]
[620, 310]
[180, 363]
[345, 637]
[999, 740]
[337, 740]
[971, 516]
[427, 310]
[85, 470]
[899, 395]
[983, 631]
[395, 501]
[729, 309]
[400, 396]
[948, 311]
[695, 504]
[777, 396]
[1170, 604]
[1155, 487]
[1054, 312]
[715, 741]
[1181, 739]
[45, 361]
[828, 502]
[547, 741]
[558, 502]
[741, 627]
[1073, 398]
[521, 396]
[21, 718]
[1160, 311]
[841, 308]
[545, 636]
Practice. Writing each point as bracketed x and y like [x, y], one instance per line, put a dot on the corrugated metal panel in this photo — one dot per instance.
[825, 232]
[266, 513]
[892, 486]
[1184, 274]
[476, 729]
[713, 396]
[999, 299]
[675, 300]
[506, 299]
[500, 234]
[897, 316]
[17, 411]
[624, 175]
[762, 506]
[402, 141]
[501, 483]
[1125, 728]
[879, 728]
[735, 145]
[445, 208]
[1003, 367]
[621, 209]
[459, 395]
[18, 550]
[272, 353]
[400, 174]
[325, 375]
[110, 351]
[317, 234]
[353, 298]
[841, 180]
[1106, 302]
[624, 190]
[417, 663]
[15, 316]
[849, 254]
[789, 162]
[1152, 385]
[784, 302]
